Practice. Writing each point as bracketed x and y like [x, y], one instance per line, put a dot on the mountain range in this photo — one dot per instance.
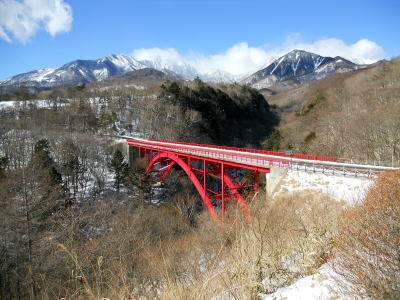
[296, 66]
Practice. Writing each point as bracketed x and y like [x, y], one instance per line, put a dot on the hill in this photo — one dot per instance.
[347, 115]
[146, 74]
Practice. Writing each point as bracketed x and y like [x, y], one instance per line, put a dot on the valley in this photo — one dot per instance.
[77, 222]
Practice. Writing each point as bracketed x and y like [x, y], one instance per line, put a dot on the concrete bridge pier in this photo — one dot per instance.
[132, 154]
[273, 179]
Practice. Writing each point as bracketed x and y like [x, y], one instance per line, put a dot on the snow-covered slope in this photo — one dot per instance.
[219, 76]
[180, 69]
[350, 190]
[301, 66]
[338, 65]
[188, 71]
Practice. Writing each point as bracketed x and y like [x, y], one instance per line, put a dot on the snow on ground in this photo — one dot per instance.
[6, 104]
[348, 189]
[138, 87]
[319, 286]
[40, 104]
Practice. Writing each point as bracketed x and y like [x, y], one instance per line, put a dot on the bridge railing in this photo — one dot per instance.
[395, 163]
[244, 158]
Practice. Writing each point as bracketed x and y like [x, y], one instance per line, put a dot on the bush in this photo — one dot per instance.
[310, 105]
[368, 247]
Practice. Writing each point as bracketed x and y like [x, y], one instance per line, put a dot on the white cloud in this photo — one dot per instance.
[20, 20]
[363, 51]
[242, 59]
[160, 56]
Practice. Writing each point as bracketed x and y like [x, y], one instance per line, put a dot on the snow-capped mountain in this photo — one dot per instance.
[179, 69]
[219, 76]
[297, 65]
[73, 73]
[188, 71]
[85, 71]
[301, 66]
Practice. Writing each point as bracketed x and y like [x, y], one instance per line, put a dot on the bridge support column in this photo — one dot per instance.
[222, 191]
[274, 178]
[132, 154]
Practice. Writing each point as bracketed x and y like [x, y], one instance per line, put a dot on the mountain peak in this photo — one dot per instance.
[301, 66]
[295, 63]
[297, 51]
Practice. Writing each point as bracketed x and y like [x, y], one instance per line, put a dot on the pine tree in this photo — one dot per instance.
[48, 179]
[3, 165]
[137, 180]
[273, 143]
[119, 167]
[41, 155]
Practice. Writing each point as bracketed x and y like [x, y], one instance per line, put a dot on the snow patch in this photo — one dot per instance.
[319, 286]
[350, 190]
[276, 66]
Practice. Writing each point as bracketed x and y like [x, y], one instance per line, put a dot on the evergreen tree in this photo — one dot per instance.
[273, 143]
[47, 178]
[137, 180]
[119, 167]
[3, 165]
[41, 155]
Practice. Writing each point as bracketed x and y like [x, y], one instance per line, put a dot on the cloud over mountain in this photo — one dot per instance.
[243, 59]
[20, 20]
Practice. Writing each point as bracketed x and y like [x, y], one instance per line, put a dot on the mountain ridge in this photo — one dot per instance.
[297, 65]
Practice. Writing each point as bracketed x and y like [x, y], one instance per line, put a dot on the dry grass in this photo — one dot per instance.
[154, 253]
[368, 247]
[286, 240]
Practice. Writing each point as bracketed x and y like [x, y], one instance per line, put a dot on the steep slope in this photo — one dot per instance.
[349, 115]
[300, 66]
[336, 65]
[224, 114]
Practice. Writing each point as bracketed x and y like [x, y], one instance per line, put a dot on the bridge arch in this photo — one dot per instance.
[200, 189]
[175, 159]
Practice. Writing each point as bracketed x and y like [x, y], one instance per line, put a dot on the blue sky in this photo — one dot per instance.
[59, 31]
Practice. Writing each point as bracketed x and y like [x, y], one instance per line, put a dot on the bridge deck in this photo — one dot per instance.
[258, 159]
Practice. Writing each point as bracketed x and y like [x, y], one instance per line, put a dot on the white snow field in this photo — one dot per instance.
[348, 189]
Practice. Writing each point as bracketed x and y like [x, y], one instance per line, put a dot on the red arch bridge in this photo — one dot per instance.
[203, 162]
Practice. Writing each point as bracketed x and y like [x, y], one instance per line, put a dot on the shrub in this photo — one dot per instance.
[310, 105]
[286, 240]
[368, 248]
